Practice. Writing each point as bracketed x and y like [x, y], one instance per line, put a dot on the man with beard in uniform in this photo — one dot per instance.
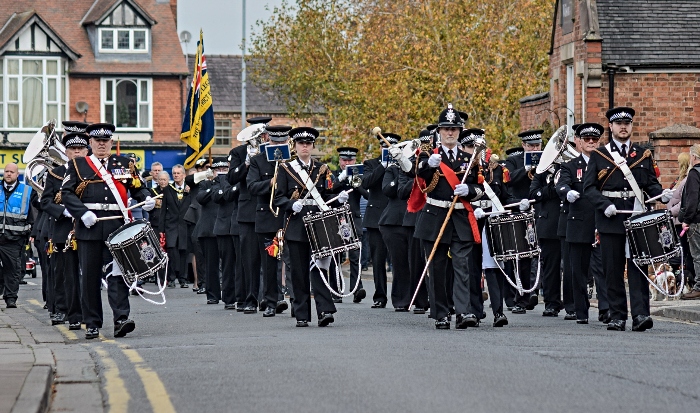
[96, 186]
[64, 258]
[519, 185]
[377, 201]
[260, 183]
[443, 171]
[344, 182]
[614, 180]
[580, 228]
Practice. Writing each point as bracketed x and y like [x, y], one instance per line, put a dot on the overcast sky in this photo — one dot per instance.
[221, 21]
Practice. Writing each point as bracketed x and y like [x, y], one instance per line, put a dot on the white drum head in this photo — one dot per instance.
[126, 234]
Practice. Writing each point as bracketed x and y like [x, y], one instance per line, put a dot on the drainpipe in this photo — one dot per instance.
[612, 68]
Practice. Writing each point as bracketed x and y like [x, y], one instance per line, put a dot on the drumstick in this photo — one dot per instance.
[507, 206]
[627, 211]
[377, 131]
[336, 197]
[112, 217]
[654, 198]
[142, 203]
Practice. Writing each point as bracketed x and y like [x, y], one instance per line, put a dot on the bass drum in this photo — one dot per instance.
[512, 236]
[136, 249]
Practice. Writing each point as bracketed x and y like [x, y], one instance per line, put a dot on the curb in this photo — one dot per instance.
[679, 313]
[39, 380]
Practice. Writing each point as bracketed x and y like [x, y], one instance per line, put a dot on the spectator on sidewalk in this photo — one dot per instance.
[689, 214]
[674, 206]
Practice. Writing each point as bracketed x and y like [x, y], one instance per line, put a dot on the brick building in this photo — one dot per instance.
[119, 58]
[639, 53]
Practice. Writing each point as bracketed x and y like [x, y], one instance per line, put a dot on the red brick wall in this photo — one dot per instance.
[534, 114]
[167, 115]
[86, 90]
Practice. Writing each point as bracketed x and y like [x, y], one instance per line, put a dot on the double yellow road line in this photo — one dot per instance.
[118, 394]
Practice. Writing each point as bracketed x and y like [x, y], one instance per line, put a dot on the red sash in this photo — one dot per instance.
[117, 184]
[452, 179]
[416, 201]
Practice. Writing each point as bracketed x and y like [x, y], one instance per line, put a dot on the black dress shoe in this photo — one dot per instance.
[74, 326]
[533, 303]
[337, 300]
[518, 310]
[616, 325]
[262, 305]
[500, 320]
[570, 316]
[418, 310]
[378, 304]
[46, 306]
[269, 312]
[401, 309]
[202, 290]
[548, 312]
[212, 301]
[281, 306]
[123, 327]
[509, 308]
[184, 285]
[324, 319]
[302, 323]
[134, 292]
[171, 284]
[230, 307]
[91, 333]
[250, 310]
[58, 318]
[466, 320]
[359, 295]
[12, 303]
[582, 321]
[240, 307]
[604, 317]
[442, 324]
[22, 281]
[642, 323]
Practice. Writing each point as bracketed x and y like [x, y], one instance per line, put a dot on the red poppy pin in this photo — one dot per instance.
[633, 154]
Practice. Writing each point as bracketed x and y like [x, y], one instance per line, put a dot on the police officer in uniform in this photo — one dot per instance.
[610, 190]
[95, 187]
[64, 257]
[302, 188]
[443, 172]
[226, 231]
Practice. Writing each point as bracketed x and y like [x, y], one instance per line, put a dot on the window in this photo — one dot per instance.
[123, 40]
[570, 96]
[32, 91]
[127, 103]
[222, 133]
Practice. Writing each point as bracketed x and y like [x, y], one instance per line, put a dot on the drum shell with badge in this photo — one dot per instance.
[512, 236]
[136, 249]
[652, 237]
[331, 232]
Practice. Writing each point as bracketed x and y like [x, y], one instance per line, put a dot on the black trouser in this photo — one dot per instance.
[41, 251]
[396, 238]
[93, 256]
[379, 253]
[476, 297]
[269, 269]
[416, 263]
[303, 280]
[567, 278]
[229, 256]
[196, 249]
[211, 258]
[287, 264]
[66, 263]
[177, 264]
[596, 271]
[58, 281]
[687, 263]
[613, 254]
[437, 286]
[47, 276]
[551, 273]
[239, 280]
[11, 268]
[250, 254]
[510, 293]
[580, 259]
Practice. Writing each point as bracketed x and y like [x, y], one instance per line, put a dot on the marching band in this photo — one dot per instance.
[444, 209]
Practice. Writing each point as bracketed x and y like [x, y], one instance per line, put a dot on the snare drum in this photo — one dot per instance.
[331, 232]
[512, 236]
[652, 237]
[136, 249]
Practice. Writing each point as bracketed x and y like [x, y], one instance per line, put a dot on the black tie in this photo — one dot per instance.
[623, 150]
[450, 156]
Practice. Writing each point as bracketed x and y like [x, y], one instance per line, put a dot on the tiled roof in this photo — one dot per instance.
[101, 7]
[65, 16]
[650, 33]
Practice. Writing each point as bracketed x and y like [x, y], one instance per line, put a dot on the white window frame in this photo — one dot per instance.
[104, 103]
[570, 96]
[61, 79]
[131, 31]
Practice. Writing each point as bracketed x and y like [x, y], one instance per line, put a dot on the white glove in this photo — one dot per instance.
[528, 167]
[343, 176]
[247, 160]
[385, 164]
[209, 173]
[479, 213]
[200, 176]
[405, 164]
[572, 196]
[524, 204]
[434, 160]
[610, 211]
[89, 219]
[149, 205]
[395, 152]
[297, 206]
[67, 214]
[343, 197]
[666, 195]
[462, 190]
[252, 151]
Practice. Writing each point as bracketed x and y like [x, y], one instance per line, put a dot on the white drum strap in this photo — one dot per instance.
[497, 206]
[309, 185]
[518, 285]
[622, 164]
[340, 281]
[107, 177]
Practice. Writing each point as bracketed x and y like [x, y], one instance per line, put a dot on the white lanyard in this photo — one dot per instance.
[107, 177]
[309, 185]
[622, 164]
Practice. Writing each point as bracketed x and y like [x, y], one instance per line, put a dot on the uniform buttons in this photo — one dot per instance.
[105, 198]
[106, 188]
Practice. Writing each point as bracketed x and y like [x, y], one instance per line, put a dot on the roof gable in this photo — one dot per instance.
[101, 9]
[18, 23]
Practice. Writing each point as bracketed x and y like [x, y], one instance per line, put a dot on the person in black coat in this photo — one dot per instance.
[226, 231]
[87, 196]
[610, 191]
[580, 226]
[296, 180]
